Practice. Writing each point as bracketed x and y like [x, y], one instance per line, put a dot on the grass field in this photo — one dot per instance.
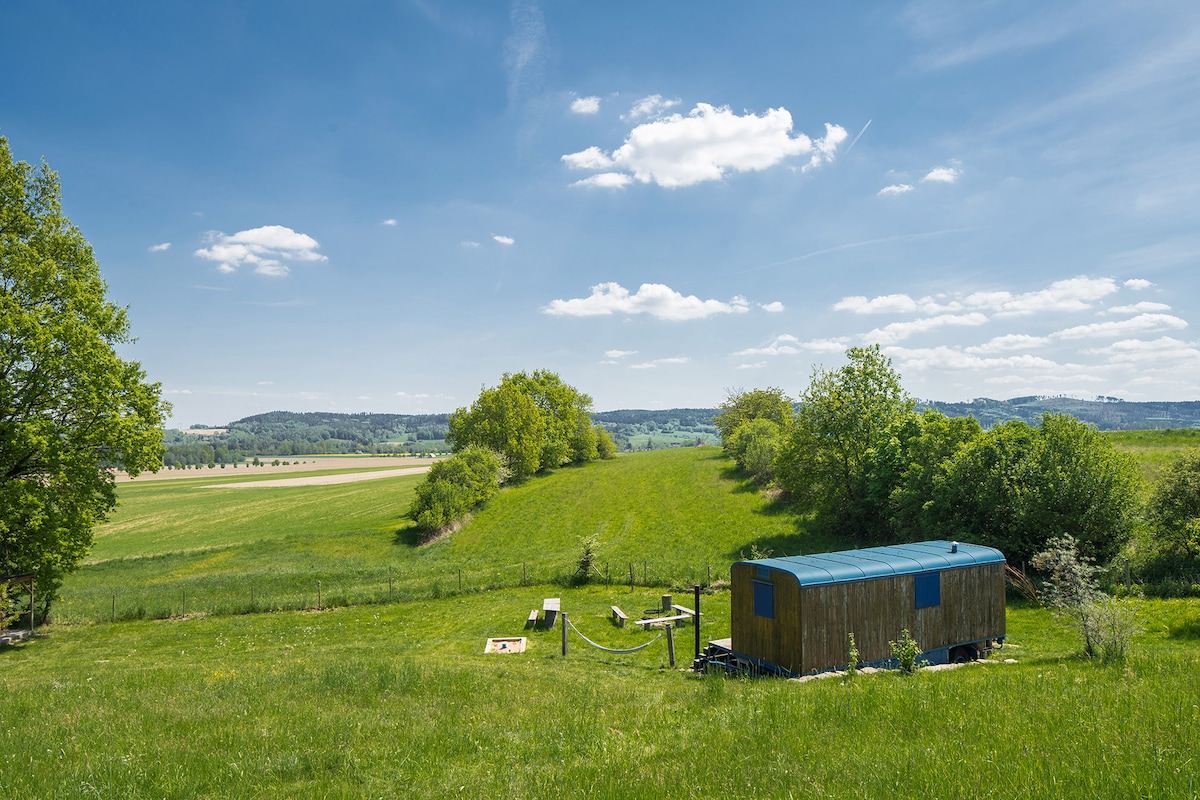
[390, 700]
[380, 699]
[677, 516]
[1155, 449]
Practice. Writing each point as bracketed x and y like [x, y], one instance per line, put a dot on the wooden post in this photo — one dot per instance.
[114, 617]
[564, 630]
[1128, 585]
[666, 604]
[389, 584]
[710, 574]
[318, 595]
[460, 580]
[696, 621]
[607, 577]
[524, 573]
[631, 576]
[32, 581]
[671, 643]
[185, 602]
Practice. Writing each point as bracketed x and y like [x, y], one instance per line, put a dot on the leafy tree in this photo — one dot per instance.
[741, 407]
[1174, 509]
[605, 447]
[753, 446]
[71, 411]
[455, 486]
[506, 420]
[534, 420]
[1017, 487]
[826, 458]
[913, 462]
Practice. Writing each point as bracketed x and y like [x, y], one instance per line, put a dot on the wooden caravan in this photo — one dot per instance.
[794, 614]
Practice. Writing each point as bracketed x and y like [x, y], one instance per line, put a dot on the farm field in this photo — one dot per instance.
[386, 690]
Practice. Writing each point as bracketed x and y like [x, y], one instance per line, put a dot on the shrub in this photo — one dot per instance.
[852, 658]
[906, 651]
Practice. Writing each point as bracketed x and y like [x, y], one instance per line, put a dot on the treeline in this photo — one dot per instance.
[857, 455]
[287, 433]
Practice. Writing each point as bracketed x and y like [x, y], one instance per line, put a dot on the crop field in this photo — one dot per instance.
[382, 688]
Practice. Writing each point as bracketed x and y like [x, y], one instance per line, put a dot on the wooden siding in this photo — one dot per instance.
[809, 631]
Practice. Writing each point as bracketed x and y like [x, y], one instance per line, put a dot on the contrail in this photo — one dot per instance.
[856, 138]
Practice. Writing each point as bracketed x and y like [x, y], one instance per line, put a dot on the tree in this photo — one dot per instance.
[916, 461]
[534, 420]
[71, 411]
[826, 458]
[1016, 487]
[1174, 509]
[741, 407]
[753, 446]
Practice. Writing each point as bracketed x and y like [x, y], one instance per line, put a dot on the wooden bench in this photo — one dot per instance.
[551, 607]
[619, 617]
[661, 620]
[683, 610]
[532, 621]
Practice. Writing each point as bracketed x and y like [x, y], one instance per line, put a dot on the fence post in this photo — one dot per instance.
[460, 580]
[318, 595]
[631, 576]
[670, 643]
[185, 602]
[565, 624]
[114, 613]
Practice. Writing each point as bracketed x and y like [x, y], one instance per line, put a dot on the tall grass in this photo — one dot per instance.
[381, 701]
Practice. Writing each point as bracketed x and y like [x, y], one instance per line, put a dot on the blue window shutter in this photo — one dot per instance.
[927, 590]
[764, 600]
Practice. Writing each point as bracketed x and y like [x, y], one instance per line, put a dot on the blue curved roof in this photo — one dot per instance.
[881, 562]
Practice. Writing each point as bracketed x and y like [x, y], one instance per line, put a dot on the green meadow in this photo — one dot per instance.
[383, 688]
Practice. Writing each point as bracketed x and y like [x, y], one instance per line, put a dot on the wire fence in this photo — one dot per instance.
[241, 593]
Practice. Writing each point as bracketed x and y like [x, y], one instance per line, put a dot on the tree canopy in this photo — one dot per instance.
[72, 411]
[534, 421]
[825, 460]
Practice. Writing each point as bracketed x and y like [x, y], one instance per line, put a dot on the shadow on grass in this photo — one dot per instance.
[1187, 629]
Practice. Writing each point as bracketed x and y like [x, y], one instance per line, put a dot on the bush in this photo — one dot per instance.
[906, 652]
[452, 488]
[1106, 624]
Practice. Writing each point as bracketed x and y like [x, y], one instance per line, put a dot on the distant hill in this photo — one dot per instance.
[1106, 413]
[288, 433]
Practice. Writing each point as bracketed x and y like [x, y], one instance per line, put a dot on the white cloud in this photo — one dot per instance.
[705, 145]
[649, 107]
[1143, 323]
[585, 105]
[952, 358]
[1138, 284]
[388, 222]
[894, 189]
[898, 331]
[591, 158]
[943, 175]
[756, 365]
[264, 248]
[1164, 350]
[884, 304]
[658, 361]
[1011, 341]
[772, 308]
[619, 353]
[606, 180]
[654, 299]
[825, 345]
[504, 240]
[468, 243]
[1072, 294]
[785, 345]
[160, 248]
[1139, 308]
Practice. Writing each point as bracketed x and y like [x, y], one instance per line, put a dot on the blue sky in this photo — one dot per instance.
[374, 206]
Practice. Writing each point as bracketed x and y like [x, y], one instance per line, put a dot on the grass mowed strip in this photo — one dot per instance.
[400, 699]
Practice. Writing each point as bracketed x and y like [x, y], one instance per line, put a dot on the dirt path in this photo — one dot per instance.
[298, 464]
[321, 480]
